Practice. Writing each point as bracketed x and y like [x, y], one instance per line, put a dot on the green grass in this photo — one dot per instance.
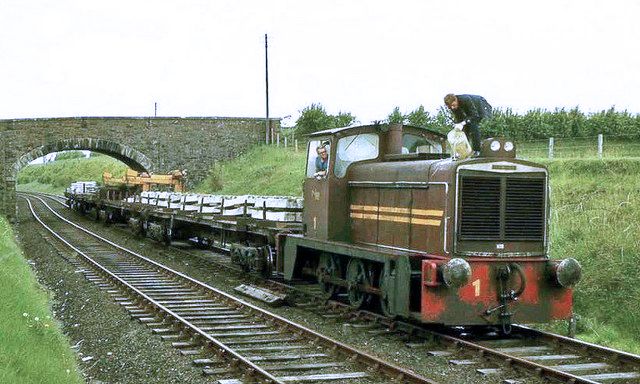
[264, 170]
[595, 211]
[36, 186]
[32, 347]
[567, 148]
[54, 177]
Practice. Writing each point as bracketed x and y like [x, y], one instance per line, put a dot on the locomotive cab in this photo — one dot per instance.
[338, 214]
[326, 213]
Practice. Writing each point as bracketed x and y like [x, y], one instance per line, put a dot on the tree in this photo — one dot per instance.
[396, 117]
[344, 119]
[442, 121]
[315, 118]
[312, 118]
[419, 117]
[67, 155]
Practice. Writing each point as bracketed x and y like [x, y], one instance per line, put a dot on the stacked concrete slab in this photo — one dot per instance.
[274, 208]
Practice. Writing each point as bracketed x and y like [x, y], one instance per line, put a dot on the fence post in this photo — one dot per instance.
[296, 144]
[551, 147]
[600, 140]
[278, 139]
[285, 141]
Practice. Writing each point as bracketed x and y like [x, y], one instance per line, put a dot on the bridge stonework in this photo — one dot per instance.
[154, 144]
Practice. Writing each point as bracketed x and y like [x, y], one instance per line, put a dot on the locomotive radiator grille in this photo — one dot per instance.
[524, 209]
[480, 213]
[502, 208]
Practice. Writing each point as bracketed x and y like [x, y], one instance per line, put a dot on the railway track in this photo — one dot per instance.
[527, 350]
[230, 338]
[521, 357]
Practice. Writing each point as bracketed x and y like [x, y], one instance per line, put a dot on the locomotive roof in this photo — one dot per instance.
[376, 127]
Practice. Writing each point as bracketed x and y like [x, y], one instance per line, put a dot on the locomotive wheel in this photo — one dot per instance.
[328, 265]
[385, 307]
[358, 274]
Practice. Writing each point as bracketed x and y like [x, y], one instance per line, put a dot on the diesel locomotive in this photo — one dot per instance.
[398, 222]
[397, 225]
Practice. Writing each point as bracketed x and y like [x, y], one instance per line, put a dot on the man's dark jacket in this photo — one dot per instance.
[472, 109]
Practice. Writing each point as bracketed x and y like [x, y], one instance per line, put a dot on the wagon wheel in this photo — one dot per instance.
[328, 265]
[108, 217]
[358, 274]
[138, 230]
[385, 305]
[168, 234]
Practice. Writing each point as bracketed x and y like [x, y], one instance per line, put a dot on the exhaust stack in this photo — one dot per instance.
[394, 139]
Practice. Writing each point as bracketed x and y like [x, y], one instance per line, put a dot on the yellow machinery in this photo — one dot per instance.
[147, 182]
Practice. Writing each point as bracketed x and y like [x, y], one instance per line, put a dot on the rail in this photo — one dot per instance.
[222, 349]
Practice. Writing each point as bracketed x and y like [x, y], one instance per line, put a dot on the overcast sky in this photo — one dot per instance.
[206, 58]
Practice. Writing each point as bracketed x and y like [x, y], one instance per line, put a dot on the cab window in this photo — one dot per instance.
[418, 144]
[355, 148]
[316, 165]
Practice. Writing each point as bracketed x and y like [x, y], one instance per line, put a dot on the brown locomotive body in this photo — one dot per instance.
[397, 222]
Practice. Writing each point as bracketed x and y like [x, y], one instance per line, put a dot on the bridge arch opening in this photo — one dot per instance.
[130, 156]
[133, 158]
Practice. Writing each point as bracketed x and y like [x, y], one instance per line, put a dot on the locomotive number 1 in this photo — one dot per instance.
[476, 287]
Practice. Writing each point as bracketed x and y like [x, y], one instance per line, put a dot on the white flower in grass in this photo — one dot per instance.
[36, 318]
[25, 314]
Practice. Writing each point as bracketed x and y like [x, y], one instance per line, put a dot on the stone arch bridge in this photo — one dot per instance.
[154, 144]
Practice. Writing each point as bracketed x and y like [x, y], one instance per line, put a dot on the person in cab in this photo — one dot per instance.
[322, 162]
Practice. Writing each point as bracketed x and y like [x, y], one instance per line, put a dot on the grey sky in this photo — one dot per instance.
[206, 58]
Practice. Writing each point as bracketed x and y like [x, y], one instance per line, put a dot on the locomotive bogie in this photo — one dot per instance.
[384, 276]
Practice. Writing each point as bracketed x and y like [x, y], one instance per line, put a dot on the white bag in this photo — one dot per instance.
[460, 147]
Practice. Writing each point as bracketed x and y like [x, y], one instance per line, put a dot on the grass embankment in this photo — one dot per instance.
[595, 211]
[54, 177]
[32, 347]
[262, 171]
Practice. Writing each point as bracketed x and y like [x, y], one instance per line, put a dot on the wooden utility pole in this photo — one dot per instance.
[266, 73]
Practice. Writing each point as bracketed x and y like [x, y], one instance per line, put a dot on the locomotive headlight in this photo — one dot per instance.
[508, 146]
[568, 272]
[456, 273]
[495, 145]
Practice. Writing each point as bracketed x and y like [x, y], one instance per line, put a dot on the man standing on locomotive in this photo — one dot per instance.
[468, 111]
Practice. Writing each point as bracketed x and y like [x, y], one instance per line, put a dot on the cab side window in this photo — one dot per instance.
[318, 158]
[355, 148]
[418, 144]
